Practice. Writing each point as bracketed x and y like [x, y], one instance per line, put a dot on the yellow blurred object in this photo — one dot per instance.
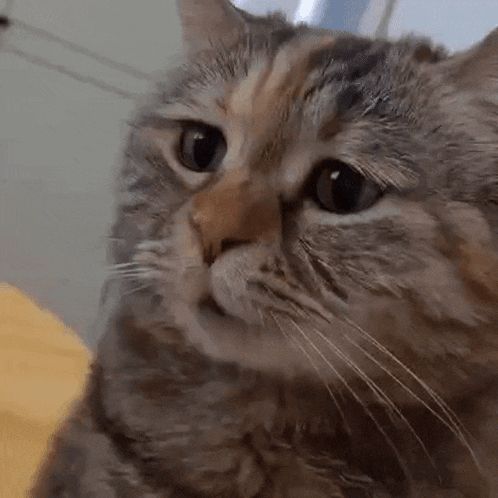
[43, 366]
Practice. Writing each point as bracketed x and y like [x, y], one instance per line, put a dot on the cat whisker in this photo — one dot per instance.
[357, 398]
[134, 290]
[169, 257]
[459, 429]
[452, 422]
[129, 273]
[128, 276]
[131, 269]
[377, 391]
[119, 266]
[313, 364]
[406, 388]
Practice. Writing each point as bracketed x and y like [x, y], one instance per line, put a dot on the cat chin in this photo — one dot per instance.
[229, 277]
[227, 338]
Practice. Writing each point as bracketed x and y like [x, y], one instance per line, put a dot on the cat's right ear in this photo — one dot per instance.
[477, 68]
[206, 23]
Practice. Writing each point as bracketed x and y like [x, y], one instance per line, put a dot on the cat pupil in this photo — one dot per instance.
[341, 189]
[346, 188]
[202, 148]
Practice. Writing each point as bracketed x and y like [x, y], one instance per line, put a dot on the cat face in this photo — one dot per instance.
[313, 203]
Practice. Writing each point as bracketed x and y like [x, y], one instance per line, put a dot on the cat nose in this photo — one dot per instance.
[232, 212]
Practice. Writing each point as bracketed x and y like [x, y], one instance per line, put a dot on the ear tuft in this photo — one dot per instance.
[208, 22]
[478, 67]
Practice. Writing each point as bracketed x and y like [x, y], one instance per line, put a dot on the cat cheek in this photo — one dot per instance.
[479, 266]
[189, 273]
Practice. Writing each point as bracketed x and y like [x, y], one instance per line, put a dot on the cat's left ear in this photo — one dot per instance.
[477, 68]
[208, 22]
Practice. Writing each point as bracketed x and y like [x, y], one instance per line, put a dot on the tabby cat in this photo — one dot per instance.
[304, 302]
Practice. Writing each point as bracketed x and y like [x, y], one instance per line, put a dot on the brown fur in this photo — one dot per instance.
[248, 215]
[257, 345]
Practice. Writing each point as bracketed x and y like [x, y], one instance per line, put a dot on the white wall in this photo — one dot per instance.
[59, 139]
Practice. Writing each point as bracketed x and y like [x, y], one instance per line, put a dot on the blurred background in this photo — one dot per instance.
[69, 73]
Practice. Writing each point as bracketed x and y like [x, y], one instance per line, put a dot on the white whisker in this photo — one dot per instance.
[138, 274]
[365, 408]
[122, 265]
[457, 425]
[134, 290]
[406, 388]
[378, 392]
[315, 367]
[453, 423]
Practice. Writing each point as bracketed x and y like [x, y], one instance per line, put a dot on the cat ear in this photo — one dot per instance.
[207, 22]
[478, 67]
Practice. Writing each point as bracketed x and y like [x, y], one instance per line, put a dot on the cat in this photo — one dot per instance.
[305, 249]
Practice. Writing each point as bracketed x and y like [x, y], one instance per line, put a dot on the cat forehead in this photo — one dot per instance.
[296, 74]
[280, 71]
[296, 45]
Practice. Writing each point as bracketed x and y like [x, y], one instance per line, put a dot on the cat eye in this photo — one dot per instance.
[202, 147]
[340, 189]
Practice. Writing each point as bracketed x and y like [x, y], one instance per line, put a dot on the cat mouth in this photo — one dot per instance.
[209, 305]
[212, 316]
